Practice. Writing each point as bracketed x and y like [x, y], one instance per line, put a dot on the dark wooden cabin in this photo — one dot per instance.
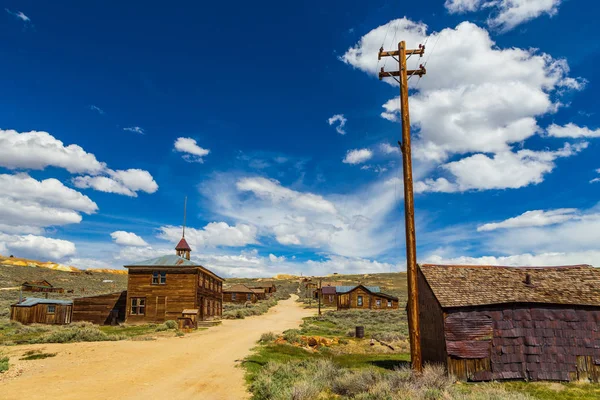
[269, 288]
[496, 323]
[364, 298]
[42, 286]
[260, 293]
[42, 311]
[105, 309]
[161, 288]
[239, 294]
[329, 296]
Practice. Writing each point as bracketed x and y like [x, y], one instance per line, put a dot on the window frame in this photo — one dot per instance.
[378, 302]
[248, 296]
[138, 304]
[155, 277]
[163, 277]
[359, 301]
[389, 304]
[233, 296]
[49, 307]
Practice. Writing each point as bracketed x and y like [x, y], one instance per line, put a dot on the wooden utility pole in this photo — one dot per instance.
[320, 293]
[409, 205]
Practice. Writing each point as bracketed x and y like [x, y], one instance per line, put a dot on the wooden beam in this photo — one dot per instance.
[382, 53]
[386, 74]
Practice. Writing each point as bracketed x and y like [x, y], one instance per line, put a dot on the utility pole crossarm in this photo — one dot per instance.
[396, 53]
[420, 72]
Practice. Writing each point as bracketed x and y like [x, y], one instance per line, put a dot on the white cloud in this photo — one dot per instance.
[97, 109]
[357, 156]
[504, 170]
[127, 239]
[484, 98]
[135, 129]
[31, 246]
[387, 148]
[27, 205]
[212, 235]
[272, 190]
[88, 263]
[591, 257]
[342, 122]
[19, 15]
[350, 265]
[38, 150]
[274, 259]
[571, 130]
[507, 14]
[126, 182]
[533, 218]
[194, 153]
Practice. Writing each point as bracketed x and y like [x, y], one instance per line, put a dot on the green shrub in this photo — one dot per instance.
[161, 328]
[267, 337]
[179, 334]
[292, 336]
[170, 324]
[36, 355]
[3, 364]
[78, 332]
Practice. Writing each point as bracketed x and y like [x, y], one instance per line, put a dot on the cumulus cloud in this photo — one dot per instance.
[591, 257]
[504, 170]
[193, 152]
[212, 235]
[484, 100]
[533, 218]
[341, 123]
[38, 150]
[125, 182]
[387, 148]
[127, 239]
[357, 156]
[274, 259]
[506, 14]
[32, 246]
[27, 205]
[135, 129]
[571, 130]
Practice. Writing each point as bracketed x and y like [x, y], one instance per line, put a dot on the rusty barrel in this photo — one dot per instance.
[360, 332]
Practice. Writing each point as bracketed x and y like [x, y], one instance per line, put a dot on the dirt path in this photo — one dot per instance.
[198, 366]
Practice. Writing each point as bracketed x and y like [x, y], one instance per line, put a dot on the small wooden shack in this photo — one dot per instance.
[105, 309]
[42, 286]
[325, 284]
[328, 296]
[42, 311]
[239, 294]
[269, 288]
[364, 297]
[495, 323]
[160, 289]
[260, 293]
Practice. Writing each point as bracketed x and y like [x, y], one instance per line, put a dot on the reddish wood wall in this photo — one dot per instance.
[534, 342]
[98, 309]
[369, 300]
[38, 314]
[431, 318]
[240, 297]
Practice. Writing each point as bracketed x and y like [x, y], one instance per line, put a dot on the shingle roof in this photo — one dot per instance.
[258, 291]
[346, 289]
[467, 285]
[238, 289]
[32, 301]
[43, 283]
[183, 245]
[169, 260]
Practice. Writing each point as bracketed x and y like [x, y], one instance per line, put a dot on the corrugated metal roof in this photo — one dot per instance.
[346, 289]
[472, 285]
[170, 260]
[32, 301]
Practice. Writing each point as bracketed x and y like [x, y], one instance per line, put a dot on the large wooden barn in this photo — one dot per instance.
[161, 288]
[494, 323]
[364, 297]
[42, 311]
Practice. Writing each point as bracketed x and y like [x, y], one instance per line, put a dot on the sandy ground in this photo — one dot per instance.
[202, 365]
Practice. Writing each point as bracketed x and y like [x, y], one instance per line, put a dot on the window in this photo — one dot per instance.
[159, 277]
[330, 298]
[233, 296]
[163, 278]
[51, 309]
[389, 303]
[138, 306]
[378, 302]
[360, 301]
[248, 297]
[155, 278]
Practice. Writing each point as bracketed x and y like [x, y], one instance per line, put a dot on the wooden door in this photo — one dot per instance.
[160, 307]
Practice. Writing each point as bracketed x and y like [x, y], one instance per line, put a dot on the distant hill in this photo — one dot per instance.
[24, 262]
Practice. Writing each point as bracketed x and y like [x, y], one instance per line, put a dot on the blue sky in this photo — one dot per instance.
[270, 118]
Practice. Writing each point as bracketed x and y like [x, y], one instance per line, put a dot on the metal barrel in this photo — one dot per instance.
[360, 332]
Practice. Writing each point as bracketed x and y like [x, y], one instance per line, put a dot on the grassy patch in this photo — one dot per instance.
[555, 391]
[4, 365]
[36, 355]
[129, 330]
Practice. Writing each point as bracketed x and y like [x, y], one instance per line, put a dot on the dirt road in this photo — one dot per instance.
[198, 366]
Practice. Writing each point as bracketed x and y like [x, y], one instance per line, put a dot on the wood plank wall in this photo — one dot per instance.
[98, 309]
[431, 319]
[38, 314]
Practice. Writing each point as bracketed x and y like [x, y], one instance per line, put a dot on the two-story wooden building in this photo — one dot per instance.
[161, 288]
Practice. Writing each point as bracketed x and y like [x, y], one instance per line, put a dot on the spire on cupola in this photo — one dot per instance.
[183, 248]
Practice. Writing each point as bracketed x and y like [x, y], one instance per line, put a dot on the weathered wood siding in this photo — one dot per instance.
[38, 314]
[533, 342]
[383, 303]
[99, 309]
[240, 297]
[369, 300]
[162, 301]
[328, 299]
[209, 294]
[431, 318]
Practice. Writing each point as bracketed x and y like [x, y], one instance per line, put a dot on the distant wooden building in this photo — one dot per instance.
[42, 286]
[161, 288]
[42, 311]
[105, 309]
[364, 297]
[494, 323]
[329, 296]
[260, 293]
[325, 284]
[269, 288]
[239, 294]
